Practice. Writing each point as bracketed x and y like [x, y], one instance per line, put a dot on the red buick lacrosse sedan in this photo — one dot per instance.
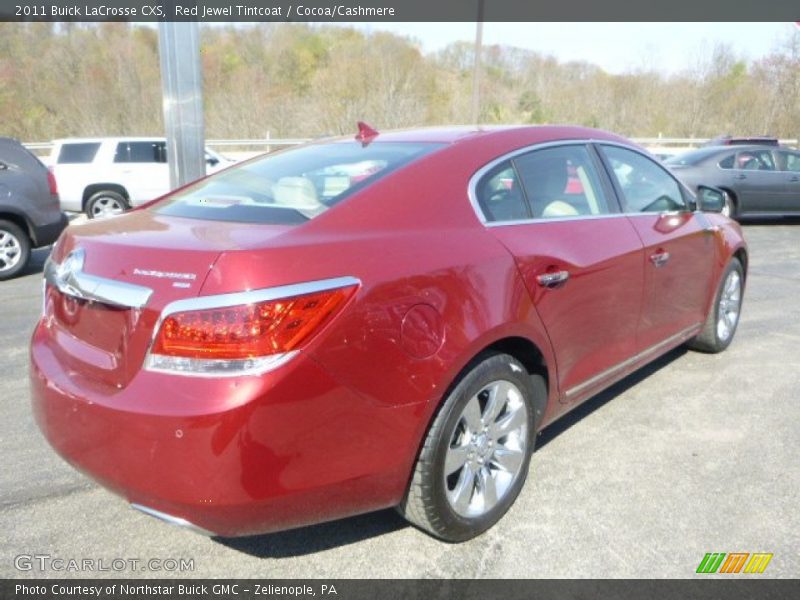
[359, 324]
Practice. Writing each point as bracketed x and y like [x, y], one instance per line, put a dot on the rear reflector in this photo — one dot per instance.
[241, 337]
[51, 182]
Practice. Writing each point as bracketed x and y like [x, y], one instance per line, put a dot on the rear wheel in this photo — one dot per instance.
[15, 249]
[475, 458]
[723, 318]
[106, 204]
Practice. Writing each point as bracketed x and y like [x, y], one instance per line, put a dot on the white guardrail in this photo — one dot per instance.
[265, 145]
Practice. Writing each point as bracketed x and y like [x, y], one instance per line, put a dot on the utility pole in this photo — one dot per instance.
[182, 93]
[476, 67]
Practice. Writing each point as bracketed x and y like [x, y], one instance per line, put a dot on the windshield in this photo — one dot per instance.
[291, 187]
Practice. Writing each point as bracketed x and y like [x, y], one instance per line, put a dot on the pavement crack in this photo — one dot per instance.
[40, 499]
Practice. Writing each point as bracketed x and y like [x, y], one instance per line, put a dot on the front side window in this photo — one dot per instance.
[791, 161]
[645, 186]
[562, 182]
[78, 153]
[293, 186]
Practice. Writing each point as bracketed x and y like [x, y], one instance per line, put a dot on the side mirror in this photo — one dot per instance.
[710, 199]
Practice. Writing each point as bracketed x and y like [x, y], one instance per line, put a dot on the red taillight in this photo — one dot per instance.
[51, 182]
[248, 331]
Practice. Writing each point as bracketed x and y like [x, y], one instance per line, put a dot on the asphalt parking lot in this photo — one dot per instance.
[695, 454]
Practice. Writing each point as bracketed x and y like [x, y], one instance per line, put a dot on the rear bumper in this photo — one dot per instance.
[232, 457]
[47, 233]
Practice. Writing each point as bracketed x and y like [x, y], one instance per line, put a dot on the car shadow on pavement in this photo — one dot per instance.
[596, 402]
[317, 538]
[776, 220]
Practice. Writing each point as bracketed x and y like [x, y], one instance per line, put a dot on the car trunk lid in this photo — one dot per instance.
[109, 281]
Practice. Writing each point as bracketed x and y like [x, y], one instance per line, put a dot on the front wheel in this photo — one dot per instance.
[475, 458]
[723, 318]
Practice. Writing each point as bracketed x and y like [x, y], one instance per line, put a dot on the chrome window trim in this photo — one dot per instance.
[667, 213]
[70, 279]
[472, 187]
[256, 365]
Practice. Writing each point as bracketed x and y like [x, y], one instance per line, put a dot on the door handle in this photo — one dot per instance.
[740, 176]
[795, 178]
[660, 258]
[553, 279]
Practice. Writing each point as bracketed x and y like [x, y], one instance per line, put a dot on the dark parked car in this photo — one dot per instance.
[757, 180]
[30, 215]
[358, 324]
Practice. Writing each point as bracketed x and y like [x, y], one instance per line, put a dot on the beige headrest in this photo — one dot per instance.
[559, 208]
[296, 192]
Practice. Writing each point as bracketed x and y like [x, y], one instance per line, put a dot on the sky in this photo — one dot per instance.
[615, 47]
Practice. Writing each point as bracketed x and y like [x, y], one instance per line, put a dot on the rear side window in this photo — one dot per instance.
[294, 186]
[646, 187]
[78, 153]
[562, 182]
[727, 162]
[141, 152]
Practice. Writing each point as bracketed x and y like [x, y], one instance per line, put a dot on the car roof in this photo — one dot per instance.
[745, 147]
[524, 134]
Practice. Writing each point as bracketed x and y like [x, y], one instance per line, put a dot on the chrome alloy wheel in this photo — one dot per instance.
[10, 250]
[106, 206]
[730, 302]
[487, 449]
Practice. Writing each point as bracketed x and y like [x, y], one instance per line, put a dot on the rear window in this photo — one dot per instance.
[78, 153]
[294, 186]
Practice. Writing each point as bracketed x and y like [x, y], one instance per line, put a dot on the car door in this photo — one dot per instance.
[580, 258]
[789, 162]
[757, 183]
[678, 245]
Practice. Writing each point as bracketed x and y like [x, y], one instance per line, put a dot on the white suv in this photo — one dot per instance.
[107, 176]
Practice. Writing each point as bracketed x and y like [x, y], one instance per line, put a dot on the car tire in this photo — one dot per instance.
[729, 206]
[105, 204]
[15, 249]
[723, 318]
[486, 446]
